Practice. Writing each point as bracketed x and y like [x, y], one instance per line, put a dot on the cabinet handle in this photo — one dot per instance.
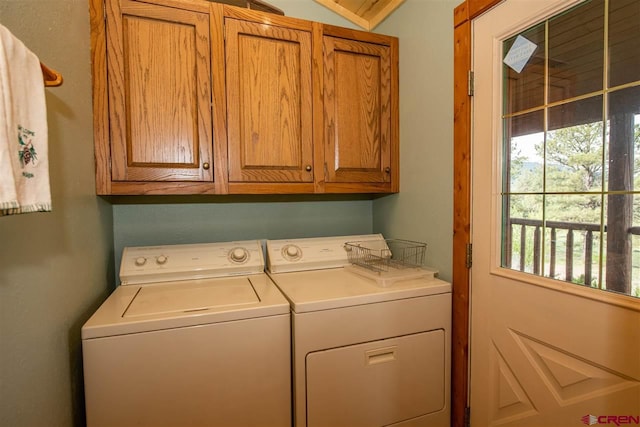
[308, 168]
[205, 166]
[387, 169]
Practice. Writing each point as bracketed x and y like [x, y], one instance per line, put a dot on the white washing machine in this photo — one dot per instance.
[196, 335]
[366, 352]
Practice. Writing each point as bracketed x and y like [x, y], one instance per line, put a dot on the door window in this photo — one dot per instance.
[571, 151]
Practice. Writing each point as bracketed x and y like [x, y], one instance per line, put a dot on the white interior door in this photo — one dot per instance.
[544, 352]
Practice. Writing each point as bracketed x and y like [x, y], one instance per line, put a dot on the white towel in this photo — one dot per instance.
[24, 159]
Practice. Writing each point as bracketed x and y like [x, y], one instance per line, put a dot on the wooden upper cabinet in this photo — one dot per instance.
[269, 103]
[360, 114]
[197, 97]
[159, 93]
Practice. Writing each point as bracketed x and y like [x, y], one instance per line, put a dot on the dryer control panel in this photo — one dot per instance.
[311, 254]
[148, 264]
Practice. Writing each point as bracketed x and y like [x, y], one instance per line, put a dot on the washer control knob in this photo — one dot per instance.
[140, 261]
[161, 260]
[291, 252]
[238, 255]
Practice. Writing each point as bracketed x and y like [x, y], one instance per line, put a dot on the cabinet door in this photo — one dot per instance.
[159, 93]
[269, 104]
[357, 111]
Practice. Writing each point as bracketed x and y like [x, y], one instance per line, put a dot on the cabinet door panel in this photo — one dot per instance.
[269, 103]
[357, 108]
[160, 94]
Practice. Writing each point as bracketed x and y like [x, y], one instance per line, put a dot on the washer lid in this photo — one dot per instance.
[199, 296]
[336, 288]
[144, 308]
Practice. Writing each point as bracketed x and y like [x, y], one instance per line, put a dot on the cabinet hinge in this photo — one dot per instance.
[470, 83]
[469, 255]
[467, 417]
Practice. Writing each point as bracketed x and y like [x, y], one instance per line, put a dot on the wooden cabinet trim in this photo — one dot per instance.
[395, 115]
[266, 18]
[192, 5]
[270, 188]
[363, 36]
[317, 78]
[100, 97]
[218, 98]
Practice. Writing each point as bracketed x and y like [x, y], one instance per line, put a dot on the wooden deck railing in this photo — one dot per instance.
[519, 228]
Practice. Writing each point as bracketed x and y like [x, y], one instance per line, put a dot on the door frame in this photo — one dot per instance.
[463, 15]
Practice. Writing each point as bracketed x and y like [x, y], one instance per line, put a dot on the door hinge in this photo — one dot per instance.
[467, 417]
[470, 84]
[469, 255]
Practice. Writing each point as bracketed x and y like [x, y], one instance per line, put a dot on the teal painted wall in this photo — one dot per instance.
[56, 267]
[423, 210]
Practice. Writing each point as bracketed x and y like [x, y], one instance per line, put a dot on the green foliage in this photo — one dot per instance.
[574, 164]
[574, 157]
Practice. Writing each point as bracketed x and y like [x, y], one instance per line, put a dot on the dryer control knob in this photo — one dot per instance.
[238, 255]
[162, 259]
[140, 261]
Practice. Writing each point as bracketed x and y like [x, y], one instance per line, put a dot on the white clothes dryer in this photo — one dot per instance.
[365, 353]
[196, 335]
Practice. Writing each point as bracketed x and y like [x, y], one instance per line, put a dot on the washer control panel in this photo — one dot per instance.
[311, 254]
[148, 264]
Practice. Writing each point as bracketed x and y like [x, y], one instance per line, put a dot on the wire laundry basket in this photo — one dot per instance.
[386, 255]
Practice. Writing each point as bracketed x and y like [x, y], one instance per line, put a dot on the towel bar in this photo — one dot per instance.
[51, 77]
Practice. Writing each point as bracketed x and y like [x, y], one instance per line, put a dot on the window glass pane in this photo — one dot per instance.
[623, 146]
[576, 51]
[571, 182]
[624, 41]
[572, 238]
[523, 214]
[574, 147]
[525, 151]
[525, 89]
[619, 221]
